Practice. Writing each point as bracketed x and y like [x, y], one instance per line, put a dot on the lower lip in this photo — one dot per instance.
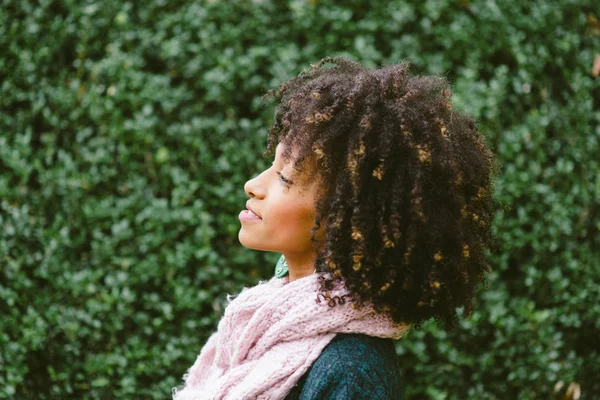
[246, 216]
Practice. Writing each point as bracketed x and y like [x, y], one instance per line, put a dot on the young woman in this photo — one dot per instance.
[380, 200]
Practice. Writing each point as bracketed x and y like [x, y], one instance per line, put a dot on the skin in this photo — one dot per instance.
[287, 211]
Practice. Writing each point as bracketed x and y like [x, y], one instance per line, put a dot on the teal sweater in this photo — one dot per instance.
[352, 367]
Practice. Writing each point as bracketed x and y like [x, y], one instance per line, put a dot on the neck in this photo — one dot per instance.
[300, 265]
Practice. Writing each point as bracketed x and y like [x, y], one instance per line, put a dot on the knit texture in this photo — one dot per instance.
[352, 366]
[270, 335]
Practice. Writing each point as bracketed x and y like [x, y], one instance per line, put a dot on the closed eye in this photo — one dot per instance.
[283, 179]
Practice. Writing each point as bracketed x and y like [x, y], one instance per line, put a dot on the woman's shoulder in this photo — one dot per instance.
[352, 366]
[357, 343]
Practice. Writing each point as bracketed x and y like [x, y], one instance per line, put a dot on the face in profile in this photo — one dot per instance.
[285, 210]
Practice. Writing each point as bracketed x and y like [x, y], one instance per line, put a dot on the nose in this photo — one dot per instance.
[254, 188]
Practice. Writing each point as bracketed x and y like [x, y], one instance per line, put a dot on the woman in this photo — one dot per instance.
[379, 199]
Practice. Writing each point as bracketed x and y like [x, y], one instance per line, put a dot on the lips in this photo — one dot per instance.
[250, 208]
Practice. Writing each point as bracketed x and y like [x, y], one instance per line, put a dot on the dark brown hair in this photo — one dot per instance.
[404, 186]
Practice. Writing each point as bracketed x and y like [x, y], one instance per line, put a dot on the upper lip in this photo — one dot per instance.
[251, 209]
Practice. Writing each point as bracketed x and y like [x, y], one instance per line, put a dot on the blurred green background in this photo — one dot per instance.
[127, 132]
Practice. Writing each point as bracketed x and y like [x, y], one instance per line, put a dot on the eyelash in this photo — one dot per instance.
[283, 179]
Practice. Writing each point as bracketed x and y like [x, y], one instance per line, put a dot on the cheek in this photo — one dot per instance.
[305, 219]
[289, 216]
[292, 219]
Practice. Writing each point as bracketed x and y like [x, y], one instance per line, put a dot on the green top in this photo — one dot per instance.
[352, 367]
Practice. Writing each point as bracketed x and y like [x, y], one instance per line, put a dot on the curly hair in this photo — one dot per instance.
[404, 183]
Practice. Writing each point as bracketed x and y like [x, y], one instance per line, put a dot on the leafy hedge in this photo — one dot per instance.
[128, 129]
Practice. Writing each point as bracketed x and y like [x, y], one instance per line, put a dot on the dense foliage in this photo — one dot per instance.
[128, 129]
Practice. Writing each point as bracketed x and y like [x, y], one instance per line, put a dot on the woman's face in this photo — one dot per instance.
[286, 211]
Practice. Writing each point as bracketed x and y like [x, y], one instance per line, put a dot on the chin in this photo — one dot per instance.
[248, 242]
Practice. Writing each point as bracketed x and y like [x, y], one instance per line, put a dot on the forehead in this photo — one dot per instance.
[279, 155]
[280, 149]
[307, 166]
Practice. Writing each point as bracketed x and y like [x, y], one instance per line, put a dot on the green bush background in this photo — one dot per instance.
[127, 132]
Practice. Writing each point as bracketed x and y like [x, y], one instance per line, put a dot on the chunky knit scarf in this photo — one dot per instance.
[270, 335]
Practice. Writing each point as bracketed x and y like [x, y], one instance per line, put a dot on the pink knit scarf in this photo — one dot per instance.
[270, 335]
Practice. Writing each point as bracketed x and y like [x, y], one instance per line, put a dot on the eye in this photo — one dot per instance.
[283, 179]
